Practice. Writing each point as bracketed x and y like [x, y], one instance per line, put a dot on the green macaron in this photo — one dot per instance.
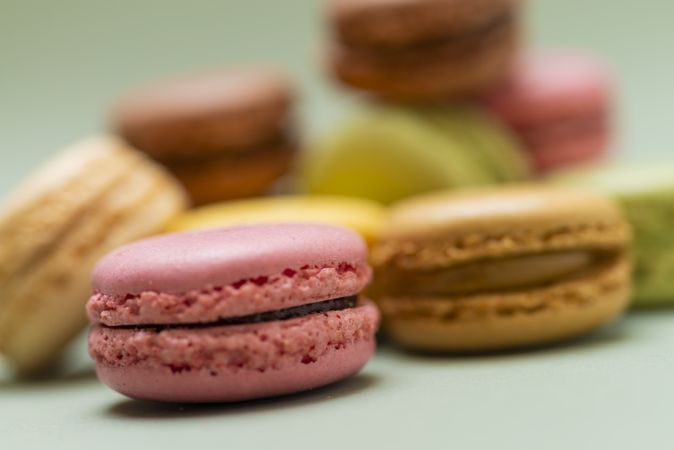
[387, 153]
[646, 193]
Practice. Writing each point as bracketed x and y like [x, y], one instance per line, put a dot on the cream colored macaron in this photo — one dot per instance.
[363, 216]
[89, 199]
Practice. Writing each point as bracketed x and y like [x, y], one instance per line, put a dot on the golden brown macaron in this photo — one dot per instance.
[423, 49]
[225, 134]
[87, 200]
[500, 268]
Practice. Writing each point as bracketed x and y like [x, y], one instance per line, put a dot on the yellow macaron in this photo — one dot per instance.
[363, 216]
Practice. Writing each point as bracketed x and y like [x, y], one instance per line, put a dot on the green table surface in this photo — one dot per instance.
[61, 63]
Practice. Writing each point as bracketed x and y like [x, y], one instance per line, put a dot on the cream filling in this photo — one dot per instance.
[490, 275]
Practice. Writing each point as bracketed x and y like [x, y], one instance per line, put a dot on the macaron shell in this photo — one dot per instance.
[88, 200]
[396, 23]
[363, 216]
[290, 288]
[430, 73]
[205, 113]
[235, 363]
[229, 176]
[389, 153]
[494, 146]
[147, 384]
[511, 319]
[571, 151]
[224, 256]
[544, 86]
[502, 210]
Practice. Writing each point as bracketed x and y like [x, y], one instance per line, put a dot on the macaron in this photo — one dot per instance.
[559, 104]
[225, 134]
[418, 50]
[500, 268]
[646, 193]
[362, 216]
[233, 313]
[87, 200]
[386, 153]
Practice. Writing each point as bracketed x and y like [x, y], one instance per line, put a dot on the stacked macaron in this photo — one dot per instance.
[455, 57]
[224, 134]
[421, 60]
[422, 49]
[238, 310]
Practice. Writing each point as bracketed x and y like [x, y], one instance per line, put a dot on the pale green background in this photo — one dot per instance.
[61, 61]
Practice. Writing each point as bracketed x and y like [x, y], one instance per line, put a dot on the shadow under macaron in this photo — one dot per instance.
[144, 409]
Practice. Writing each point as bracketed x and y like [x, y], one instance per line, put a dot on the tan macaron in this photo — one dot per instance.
[86, 201]
[501, 268]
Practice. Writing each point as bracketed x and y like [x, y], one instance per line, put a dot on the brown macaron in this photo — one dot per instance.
[224, 134]
[423, 49]
[500, 268]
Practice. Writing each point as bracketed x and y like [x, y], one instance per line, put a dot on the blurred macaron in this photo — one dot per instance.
[225, 134]
[559, 103]
[387, 153]
[363, 216]
[496, 268]
[646, 193]
[87, 200]
[423, 49]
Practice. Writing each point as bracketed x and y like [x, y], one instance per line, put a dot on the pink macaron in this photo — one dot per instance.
[232, 314]
[559, 104]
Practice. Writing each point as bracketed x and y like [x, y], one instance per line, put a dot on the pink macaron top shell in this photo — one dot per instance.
[547, 86]
[286, 289]
[206, 276]
[182, 262]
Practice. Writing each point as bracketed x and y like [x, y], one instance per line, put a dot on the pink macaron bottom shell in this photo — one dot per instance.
[236, 362]
[289, 288]
[236, 385]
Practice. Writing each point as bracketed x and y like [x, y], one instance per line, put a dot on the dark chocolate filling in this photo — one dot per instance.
[267, 316]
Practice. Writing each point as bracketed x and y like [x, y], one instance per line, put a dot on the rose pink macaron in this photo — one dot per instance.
[559, 104]
[232, 314]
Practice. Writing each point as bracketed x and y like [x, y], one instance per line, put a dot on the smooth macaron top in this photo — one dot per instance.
[453, 227]
[209, 111]
[393, 23]
[498, 210]
[544, 85]
[633, 181]
[364, 216]
[182, 262]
